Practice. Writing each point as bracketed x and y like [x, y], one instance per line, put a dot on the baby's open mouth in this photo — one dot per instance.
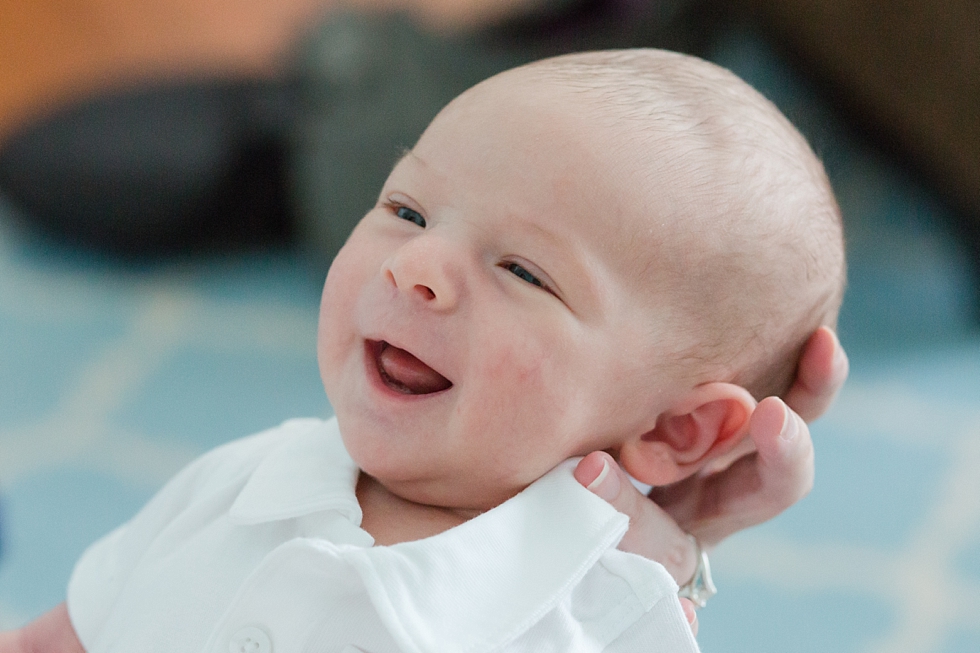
[403, 372]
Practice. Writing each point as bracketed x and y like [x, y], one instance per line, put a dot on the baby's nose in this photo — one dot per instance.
[428, 270]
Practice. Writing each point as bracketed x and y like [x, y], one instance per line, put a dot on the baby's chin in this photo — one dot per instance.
[455, 489]
[451, 492]
[426, 478]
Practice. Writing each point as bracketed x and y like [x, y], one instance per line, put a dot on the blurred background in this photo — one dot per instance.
[175, 177]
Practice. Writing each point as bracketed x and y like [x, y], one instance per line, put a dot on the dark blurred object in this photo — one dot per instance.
[218, 164]
[204, 166]
[158, 170]
[221, 164]
[909, 70]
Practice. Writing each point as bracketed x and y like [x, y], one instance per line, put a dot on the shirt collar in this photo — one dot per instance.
[310, 471]
[471, 588]
[479, 585]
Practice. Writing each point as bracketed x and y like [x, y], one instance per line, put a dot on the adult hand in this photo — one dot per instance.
[759, 485]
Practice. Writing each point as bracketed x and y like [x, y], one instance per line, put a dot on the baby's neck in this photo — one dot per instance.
[390, 519]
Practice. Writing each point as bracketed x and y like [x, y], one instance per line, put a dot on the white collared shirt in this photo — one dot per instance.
[256, 547]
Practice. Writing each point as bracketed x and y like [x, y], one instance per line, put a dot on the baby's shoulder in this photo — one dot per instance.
[258, 445]
[233, 462]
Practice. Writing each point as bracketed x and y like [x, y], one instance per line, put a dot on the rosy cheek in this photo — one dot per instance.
[336, 333]
[520, 381]
[354, 266]
[338, 283]
[519, 365]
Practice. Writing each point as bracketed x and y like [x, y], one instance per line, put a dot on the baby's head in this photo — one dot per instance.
[612, 250]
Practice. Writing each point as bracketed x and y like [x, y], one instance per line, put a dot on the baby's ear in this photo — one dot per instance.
[706, 423]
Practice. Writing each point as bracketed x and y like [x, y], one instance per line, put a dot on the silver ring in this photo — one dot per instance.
[700, 588]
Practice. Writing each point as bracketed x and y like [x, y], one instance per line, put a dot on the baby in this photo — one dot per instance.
[605, 251]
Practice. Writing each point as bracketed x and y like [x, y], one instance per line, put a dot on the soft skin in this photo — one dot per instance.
[473, 241]
[522, 300]
[759, 486]
[775, 474]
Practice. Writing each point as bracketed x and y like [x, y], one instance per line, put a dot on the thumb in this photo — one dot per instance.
[652, 533]
[690, 614]
[598, 473]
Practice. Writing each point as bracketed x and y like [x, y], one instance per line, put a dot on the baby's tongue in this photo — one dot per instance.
[408, 374]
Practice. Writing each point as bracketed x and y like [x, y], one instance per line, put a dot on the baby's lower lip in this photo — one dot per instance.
[401, 371]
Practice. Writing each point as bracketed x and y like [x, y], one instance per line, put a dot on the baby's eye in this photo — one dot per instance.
[521, 272]
[406, 213]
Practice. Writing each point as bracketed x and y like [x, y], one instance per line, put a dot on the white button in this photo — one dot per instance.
[250, 640]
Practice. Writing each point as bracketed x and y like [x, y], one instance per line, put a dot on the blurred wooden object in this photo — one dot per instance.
[52, 51]
[910, 68]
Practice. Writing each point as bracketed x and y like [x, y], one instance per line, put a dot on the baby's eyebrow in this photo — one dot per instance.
[408, 153]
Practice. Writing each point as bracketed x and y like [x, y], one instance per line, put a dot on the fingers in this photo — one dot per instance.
[653, 533]
[726, 499]
[785, 453]
[752, 490]
[595, 472]
[820, 375]
[690, 614]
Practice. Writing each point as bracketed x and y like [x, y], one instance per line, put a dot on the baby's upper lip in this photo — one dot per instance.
[402, 370]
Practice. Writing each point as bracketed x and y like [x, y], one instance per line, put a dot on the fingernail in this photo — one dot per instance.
[790, 426]
[606, 484]
[840, 356]
[689, 613]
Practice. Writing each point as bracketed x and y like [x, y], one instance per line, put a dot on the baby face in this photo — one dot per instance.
[480, 325]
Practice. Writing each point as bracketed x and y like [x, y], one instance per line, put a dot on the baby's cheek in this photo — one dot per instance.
[529, 389]
[522, 366]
